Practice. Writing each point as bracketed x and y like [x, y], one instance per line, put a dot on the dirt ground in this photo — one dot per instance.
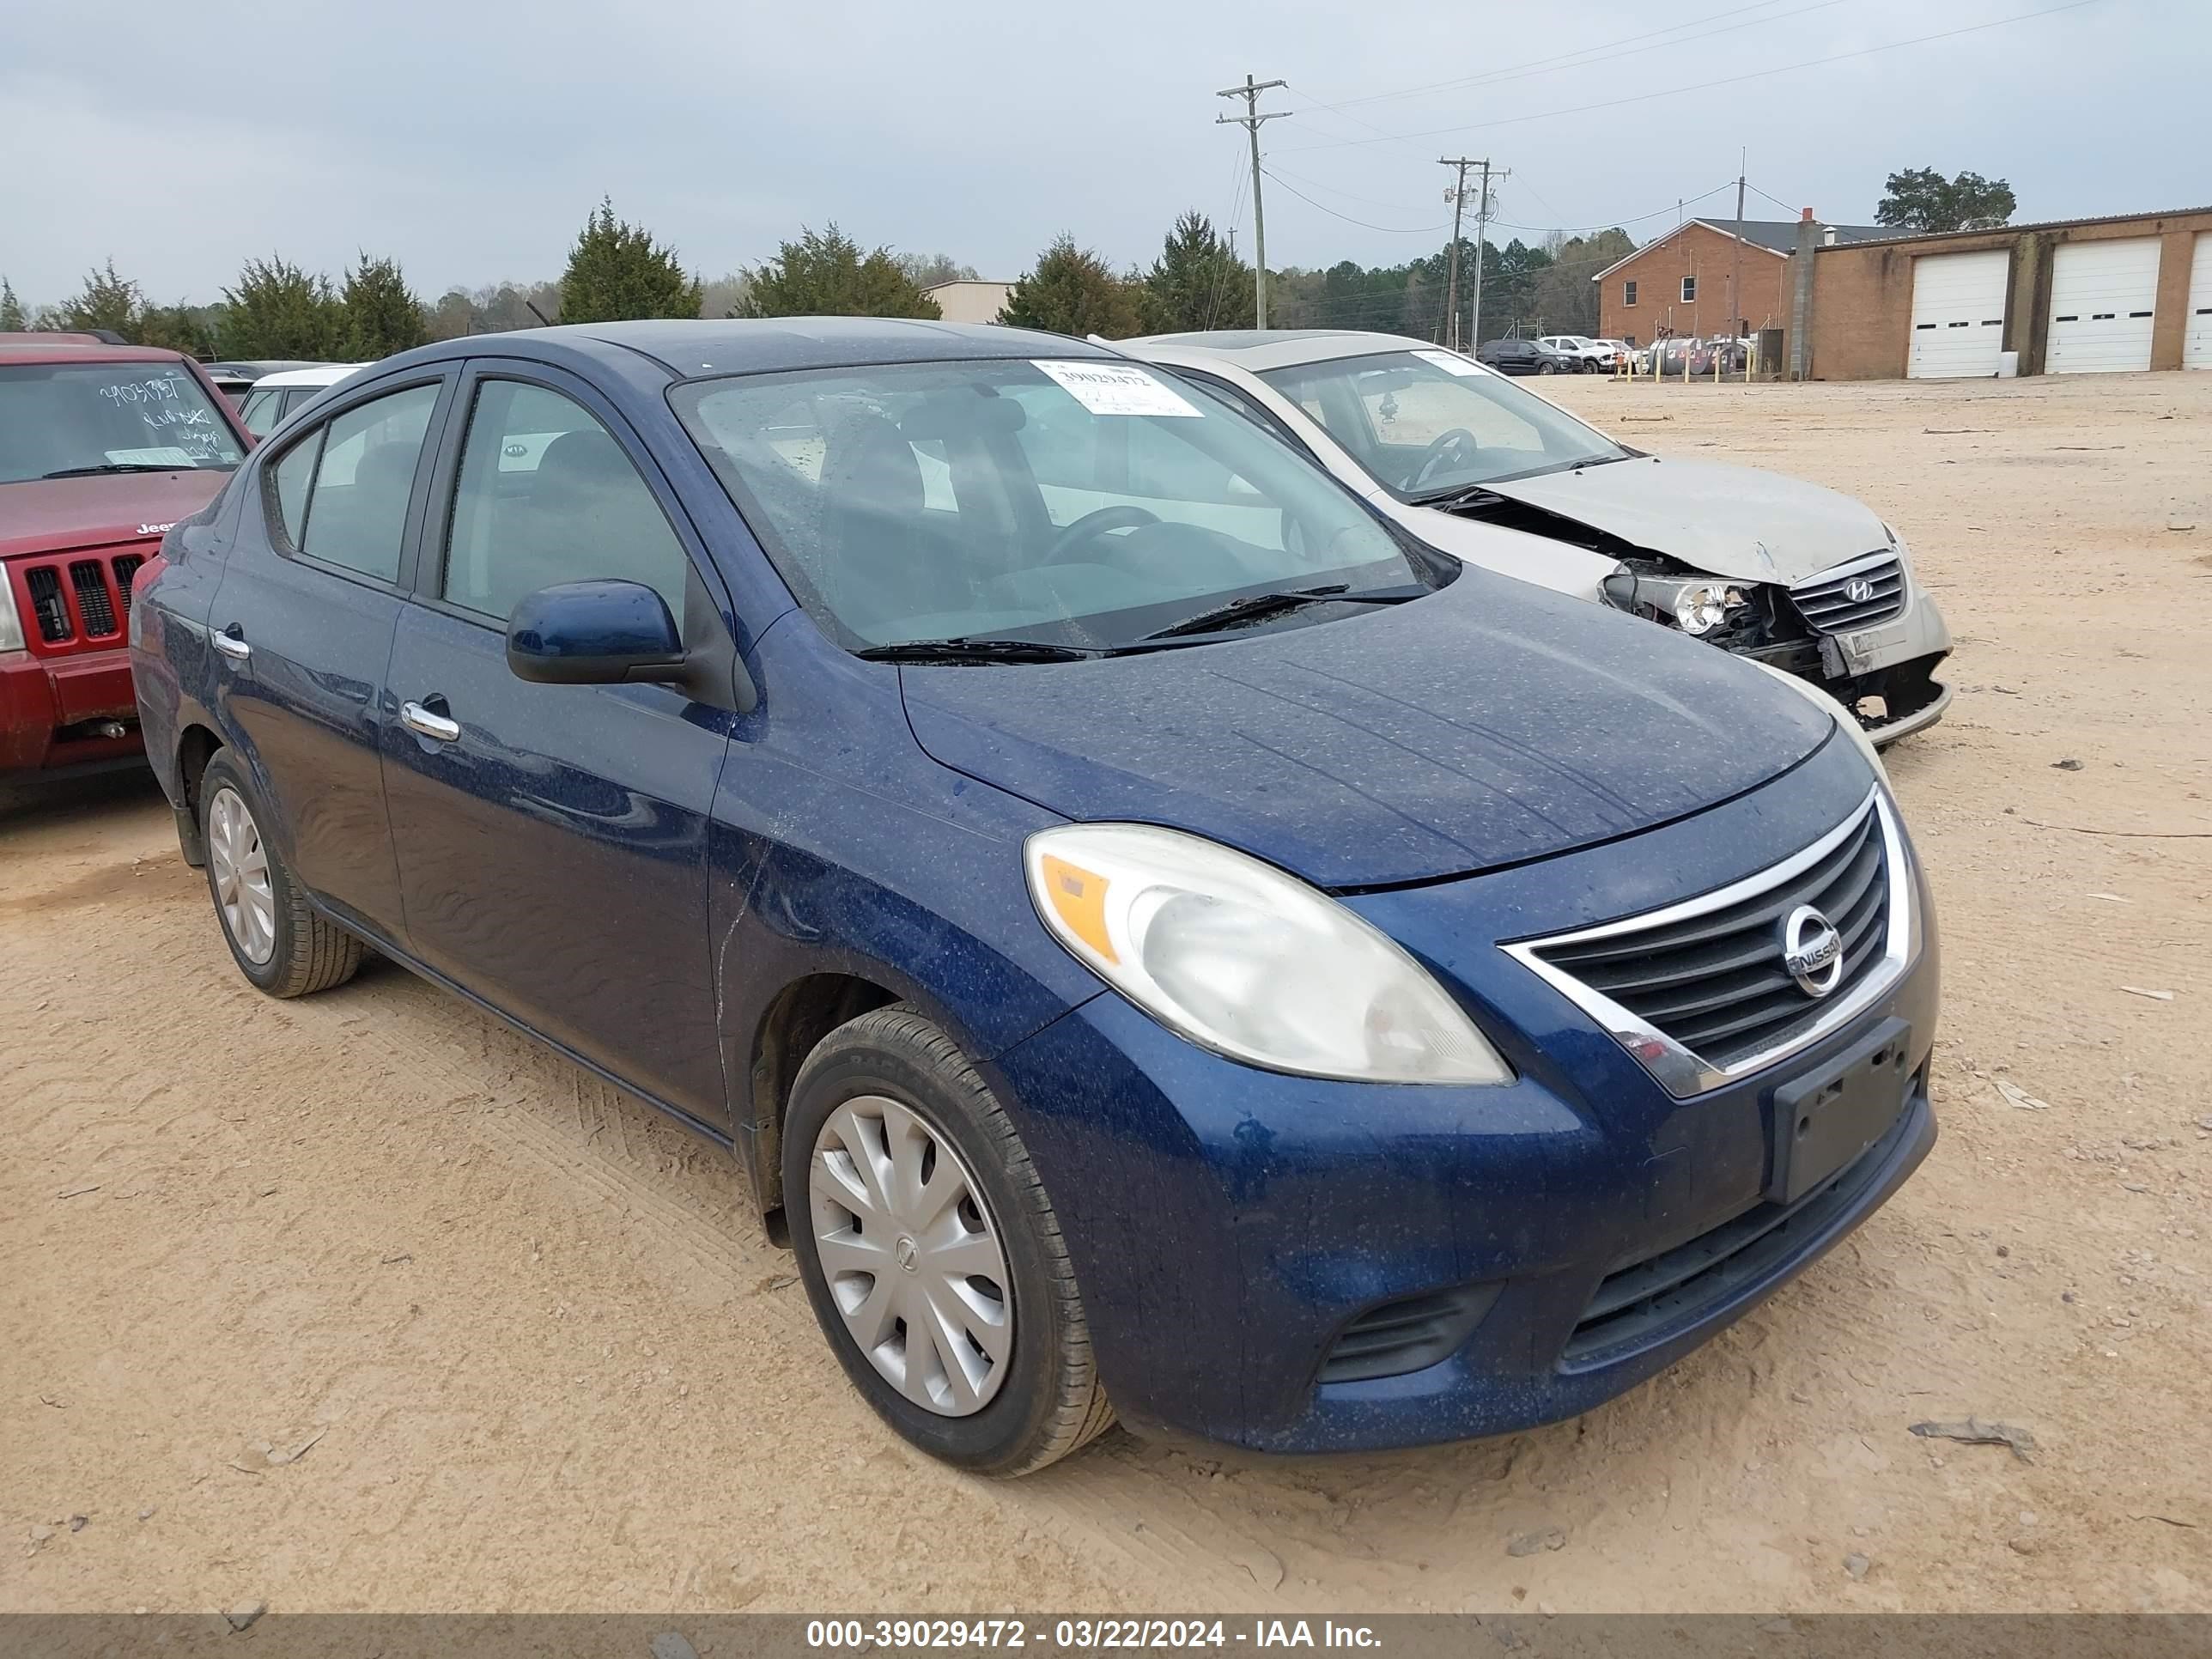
[516, 1345]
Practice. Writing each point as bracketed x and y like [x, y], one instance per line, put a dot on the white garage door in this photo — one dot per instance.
[2102, 294]
[1958, 314]
[2197, 339]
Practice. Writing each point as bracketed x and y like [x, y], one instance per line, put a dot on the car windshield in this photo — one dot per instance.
[1427, 424]
[1088, 503]
[67, 419]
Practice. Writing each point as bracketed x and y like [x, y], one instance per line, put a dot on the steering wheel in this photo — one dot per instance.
[1091, 526]
[1440, 449]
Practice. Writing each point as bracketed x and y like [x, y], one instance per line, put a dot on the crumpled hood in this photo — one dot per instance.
[55, 515]
[1487, 724]
[1734, 521]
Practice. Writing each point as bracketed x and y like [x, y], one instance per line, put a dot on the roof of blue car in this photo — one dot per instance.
[757, 345]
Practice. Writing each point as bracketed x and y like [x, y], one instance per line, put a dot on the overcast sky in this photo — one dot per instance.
[471, 141]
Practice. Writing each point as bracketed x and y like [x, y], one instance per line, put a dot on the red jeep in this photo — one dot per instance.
[102, 448]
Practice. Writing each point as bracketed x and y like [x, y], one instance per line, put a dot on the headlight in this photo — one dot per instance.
[1695, 604]
[1700, 607]
[1250, 963]
[1844, 717]
[11, 625]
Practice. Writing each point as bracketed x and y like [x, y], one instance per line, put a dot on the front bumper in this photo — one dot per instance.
[1232, 1229]
[52, 713]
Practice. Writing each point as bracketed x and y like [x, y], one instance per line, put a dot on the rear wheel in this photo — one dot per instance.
[274, 936]
[931, 1253]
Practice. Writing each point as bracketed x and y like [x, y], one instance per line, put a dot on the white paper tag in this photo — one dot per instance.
[1450, 361]
[166, 455]
[1106, 388]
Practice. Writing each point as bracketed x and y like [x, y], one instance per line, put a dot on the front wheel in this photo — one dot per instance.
[930, 1252]
[1543, 368]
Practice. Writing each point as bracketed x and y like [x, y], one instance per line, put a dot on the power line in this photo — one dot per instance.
[1277, 173]
[1725, 81]
[1393, 230]
[1584, 56]
[1617, 224]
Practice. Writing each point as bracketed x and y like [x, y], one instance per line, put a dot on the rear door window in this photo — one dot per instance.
[341, 492]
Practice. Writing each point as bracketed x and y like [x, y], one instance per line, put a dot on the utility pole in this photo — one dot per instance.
[1482, 240]
[1251, 121]
[1739, 322]
[1456, 195]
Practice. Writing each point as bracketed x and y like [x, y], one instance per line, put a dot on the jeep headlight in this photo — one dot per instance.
[11, 624]
[1239, 957]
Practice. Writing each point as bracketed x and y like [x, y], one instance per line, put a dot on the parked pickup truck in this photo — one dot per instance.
[102, 448]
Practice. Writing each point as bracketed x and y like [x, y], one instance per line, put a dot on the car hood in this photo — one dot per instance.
[1733, 521]
[52, 515]
[1487, 724]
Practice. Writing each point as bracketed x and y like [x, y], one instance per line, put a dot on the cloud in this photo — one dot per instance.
[470, 143]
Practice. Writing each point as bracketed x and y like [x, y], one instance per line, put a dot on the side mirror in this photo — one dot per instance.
[595, 633]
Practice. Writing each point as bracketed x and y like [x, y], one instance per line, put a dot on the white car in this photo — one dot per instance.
[1593, 354]
[275, 396]
[1789, 574]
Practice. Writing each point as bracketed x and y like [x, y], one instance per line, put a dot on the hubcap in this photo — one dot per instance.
[240, 865]
[911, 1255]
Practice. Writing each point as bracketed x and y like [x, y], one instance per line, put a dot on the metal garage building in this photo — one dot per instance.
[2075, 296]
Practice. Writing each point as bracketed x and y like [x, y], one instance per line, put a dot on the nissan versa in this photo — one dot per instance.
[1152, 931]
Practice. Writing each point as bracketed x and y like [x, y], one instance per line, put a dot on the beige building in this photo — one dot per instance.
[970, 301]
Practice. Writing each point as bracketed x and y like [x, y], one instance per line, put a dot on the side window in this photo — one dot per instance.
[1252, 409]
[547, 495]
[356, 510]
[1689, 289]
[260, 413]
[294, 469]
[1628, 294]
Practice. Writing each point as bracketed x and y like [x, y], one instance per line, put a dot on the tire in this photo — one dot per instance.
[279, 942]
[878, 1080]
[1543, 368]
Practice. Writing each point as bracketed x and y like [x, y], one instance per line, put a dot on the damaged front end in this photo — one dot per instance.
[1862, 630]
[1874, 669]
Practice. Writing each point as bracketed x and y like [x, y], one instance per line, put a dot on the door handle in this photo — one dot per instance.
[424, 724]
[231, 641]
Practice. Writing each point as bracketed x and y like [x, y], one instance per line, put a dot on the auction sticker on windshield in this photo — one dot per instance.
[1450, 361]
[1116, 388]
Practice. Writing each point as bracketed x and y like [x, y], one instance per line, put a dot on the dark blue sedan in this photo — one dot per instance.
[1151, 932]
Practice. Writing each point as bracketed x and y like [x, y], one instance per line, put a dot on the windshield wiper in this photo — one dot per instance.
[966, 650]
[1254, 605]
[1459, 495]
[119, 467]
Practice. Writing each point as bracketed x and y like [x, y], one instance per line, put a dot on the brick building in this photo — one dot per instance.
[1678, 284]
[2072, 296]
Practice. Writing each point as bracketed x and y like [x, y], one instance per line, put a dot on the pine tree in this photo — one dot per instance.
[1070, 290]
[1197, 283]
[107, 300]
[616, 270]
[278, 310]
[382, 315]
[12, 319]
[825, 274]
[180, 327]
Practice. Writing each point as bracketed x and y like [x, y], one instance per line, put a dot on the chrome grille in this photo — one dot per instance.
[1698, 991]
[1860, 594]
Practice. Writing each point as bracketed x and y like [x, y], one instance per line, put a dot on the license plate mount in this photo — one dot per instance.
[1825, 1119]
